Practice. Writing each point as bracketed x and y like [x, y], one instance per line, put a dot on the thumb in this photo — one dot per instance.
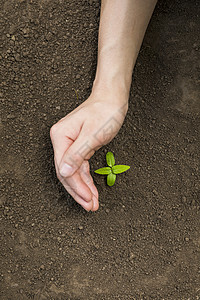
[81, 149]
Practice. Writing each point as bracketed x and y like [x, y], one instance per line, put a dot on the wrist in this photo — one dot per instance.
[111, 88]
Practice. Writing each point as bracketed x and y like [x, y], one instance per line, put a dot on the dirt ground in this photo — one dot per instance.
[144, 241]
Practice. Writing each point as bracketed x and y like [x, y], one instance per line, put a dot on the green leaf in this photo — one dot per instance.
[117, 169]
[110, 159]
[103, 171]
[111, 179]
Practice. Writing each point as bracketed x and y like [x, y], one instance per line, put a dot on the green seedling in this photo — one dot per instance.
[112, 170]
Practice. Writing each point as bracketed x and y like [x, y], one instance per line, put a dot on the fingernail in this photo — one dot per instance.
[66, 170]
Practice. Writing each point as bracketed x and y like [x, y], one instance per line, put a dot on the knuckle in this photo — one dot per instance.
[74, 159]
[54, 130]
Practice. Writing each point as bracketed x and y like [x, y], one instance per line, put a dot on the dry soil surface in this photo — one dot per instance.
[144, 241]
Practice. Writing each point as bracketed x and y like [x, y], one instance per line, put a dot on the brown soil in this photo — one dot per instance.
[144, 241]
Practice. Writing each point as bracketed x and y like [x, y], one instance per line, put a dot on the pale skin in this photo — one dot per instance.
[97, 120]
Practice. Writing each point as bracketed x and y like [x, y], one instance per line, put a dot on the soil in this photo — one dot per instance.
[144, 241]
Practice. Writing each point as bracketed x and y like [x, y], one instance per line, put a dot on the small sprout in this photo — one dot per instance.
[112, 170]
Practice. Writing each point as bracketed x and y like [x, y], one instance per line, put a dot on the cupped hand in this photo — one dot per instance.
[75, 139]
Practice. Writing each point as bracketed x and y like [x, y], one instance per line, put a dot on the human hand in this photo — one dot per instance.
[75, 139]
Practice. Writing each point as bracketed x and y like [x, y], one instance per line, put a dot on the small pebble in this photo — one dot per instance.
[132, 255]
[10, 116]
[155, 192]
[80, 227]
[184, 199]
[52, 217]
[17, 57]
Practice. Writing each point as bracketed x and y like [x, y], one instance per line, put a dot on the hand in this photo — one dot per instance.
[75, 139]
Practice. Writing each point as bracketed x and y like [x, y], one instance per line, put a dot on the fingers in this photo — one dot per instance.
[76, 190]
[86, 205]
[82, 148]
[75, 185]
[63, 134]
[85, 174]
[71, 150]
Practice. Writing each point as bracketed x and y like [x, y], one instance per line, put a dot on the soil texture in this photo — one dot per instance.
[144, 241]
